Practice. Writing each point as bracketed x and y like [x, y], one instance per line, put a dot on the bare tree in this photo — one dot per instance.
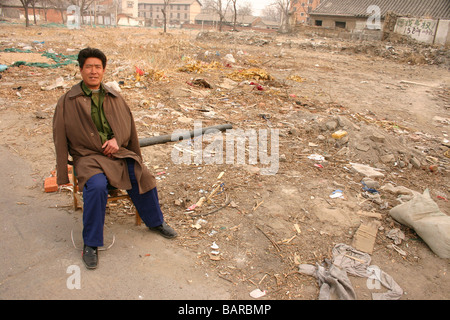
[164, 12]
[234, 9]
[284, 6]
[208, 6]
[46, 4]
[25, 4]
[61, 6]
[271, 12]
[220, 7]
[240, 10]
[245, 9]
[33, 4]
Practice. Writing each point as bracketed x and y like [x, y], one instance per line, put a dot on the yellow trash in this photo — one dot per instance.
[339, 134]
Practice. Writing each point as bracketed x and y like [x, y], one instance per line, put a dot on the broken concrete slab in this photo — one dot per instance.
[366, 170]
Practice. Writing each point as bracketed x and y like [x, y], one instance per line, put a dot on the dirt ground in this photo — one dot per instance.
[392, 99]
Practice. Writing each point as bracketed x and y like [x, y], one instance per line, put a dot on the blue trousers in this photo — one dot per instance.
[95, 194]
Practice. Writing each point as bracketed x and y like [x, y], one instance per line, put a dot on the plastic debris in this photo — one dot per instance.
[258, 293]
[339, 134]
[214, 246]
[229, 58]
[316, 157]
[337, 194]
[59, 83]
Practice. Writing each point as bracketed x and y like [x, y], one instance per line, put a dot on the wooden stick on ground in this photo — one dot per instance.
[273, 242]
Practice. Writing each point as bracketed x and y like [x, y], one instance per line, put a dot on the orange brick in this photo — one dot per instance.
[50, 184]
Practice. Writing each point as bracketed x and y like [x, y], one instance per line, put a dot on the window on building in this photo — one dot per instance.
[130, 4]
[340, 24]
[318, 23]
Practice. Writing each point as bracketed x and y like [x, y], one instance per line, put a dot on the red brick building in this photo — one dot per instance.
[301, 10]
[50, 13]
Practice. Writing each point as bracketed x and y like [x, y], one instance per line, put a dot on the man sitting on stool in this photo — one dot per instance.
[94, 124]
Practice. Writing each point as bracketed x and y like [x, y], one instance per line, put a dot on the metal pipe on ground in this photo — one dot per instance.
[145, 142]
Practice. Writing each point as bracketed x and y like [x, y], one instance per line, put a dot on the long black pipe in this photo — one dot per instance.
[145, 142]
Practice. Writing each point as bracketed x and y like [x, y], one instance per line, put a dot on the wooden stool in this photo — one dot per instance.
[112, 196]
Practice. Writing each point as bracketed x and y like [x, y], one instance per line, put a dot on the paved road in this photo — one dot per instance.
[40, 261]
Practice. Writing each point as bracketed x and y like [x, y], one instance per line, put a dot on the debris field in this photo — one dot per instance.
[359, 128]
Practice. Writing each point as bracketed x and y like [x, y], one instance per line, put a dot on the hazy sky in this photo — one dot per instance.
[258, 5]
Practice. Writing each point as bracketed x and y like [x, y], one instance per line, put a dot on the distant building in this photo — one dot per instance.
[100, 12]
[13, 9]
[178, 12]
[128, 8]
[213, 19]
[361, 14]
[301, 10]
[266, 24]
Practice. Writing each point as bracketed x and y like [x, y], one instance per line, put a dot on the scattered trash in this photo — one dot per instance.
[250, 74]
[194, 66]
[364, 238]
[139, 71]
[366, 188]
[201, 83]
[396, 248]
[114, 85]
[333, 277]
[339, 134]
[215, 254]
[3, 67]
[59, 83]
[396, 234]
[258, 293]
[296, 78]
[229, 58]
[199, 223]
[257, 86]
[307, 125]
[214, 246]
[337, 194]
[316, 157]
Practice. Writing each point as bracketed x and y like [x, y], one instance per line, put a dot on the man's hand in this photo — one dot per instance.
[110, 147]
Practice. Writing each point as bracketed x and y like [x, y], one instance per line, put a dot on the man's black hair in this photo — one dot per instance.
[91, 53]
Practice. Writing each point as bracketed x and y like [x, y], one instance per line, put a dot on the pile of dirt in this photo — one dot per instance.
[402, 49]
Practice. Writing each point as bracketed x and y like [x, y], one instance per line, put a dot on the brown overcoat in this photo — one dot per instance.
[75, 133]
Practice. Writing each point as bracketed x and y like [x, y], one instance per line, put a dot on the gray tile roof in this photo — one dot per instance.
[358, 8]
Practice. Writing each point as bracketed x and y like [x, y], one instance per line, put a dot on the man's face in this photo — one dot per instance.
[92, 73]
